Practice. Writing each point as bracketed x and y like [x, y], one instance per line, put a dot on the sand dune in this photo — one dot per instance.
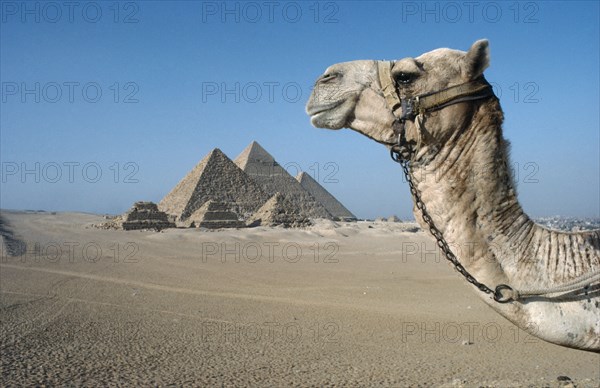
[336, 304]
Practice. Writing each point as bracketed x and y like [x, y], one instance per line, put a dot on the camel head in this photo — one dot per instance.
[350, 94]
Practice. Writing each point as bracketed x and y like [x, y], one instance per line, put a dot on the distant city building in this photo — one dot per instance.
[569, 224]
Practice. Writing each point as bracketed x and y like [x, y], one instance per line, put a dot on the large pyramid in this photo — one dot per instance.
[262, 168]
[331, 204]
[216, 178]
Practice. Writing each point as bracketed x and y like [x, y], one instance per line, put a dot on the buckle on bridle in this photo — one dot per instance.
[403, 149]
[408, 109]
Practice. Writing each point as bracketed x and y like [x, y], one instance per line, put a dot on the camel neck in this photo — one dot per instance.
[475, 166]
[469, 190]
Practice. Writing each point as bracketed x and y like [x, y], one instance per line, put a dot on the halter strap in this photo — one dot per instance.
[388, 86]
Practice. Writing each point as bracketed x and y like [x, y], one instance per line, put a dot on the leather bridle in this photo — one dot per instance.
[411, 108]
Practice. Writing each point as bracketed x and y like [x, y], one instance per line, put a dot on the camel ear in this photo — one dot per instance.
[477, 59]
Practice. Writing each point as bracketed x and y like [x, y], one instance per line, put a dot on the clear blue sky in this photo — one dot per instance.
[164, 70]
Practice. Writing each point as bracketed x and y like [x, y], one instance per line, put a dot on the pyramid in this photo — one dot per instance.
[217, 178]
[329, 202]
[262, 168]
[279, 210]
[393, 218]
[145, 215]
[215, 215]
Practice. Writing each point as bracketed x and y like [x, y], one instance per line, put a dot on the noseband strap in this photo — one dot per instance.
[409, 108]
[388, 86]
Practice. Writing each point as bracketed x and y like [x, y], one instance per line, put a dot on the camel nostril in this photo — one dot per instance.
[328, 77]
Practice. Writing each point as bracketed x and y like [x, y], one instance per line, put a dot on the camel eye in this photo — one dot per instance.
[406, 78]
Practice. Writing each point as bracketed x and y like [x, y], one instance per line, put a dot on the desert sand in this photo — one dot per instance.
[335, 304]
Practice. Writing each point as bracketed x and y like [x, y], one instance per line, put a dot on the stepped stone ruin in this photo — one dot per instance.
[145, 215]
[215, 215]
[262, 168]
[331, 204]
[215, 178]
[279, 210]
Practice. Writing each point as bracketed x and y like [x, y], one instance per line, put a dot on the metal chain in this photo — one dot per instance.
[439, 237]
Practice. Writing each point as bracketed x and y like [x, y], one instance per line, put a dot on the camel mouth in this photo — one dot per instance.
[327, 116]
[313, 111]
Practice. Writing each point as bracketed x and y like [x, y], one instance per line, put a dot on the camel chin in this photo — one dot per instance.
[325, 121]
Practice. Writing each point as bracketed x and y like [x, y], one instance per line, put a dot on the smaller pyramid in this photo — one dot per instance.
[145, 215]
[279, 210]
[329, 202]
[215, 215]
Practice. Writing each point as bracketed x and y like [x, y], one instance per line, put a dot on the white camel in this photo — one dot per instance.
[440, 118]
